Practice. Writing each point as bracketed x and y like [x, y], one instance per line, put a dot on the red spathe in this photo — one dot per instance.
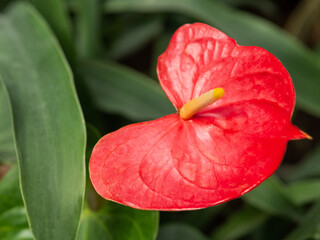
[223, 151]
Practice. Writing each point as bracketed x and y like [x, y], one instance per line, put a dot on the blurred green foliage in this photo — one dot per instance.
[109, 50]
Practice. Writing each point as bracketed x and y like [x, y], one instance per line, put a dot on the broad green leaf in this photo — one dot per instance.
[272, 197]
[56, 14]
[309, 227]
[10, 195]
[178, 231]
[306, 191]
[48, 123]
[308, 167]
[13, 217]
[135, 37]
[118, 222]
[14, 225]
[239, 224]
[247, 29]
[92, 227]
[121, 90]
[88, 23]
[7, 149]
[264, 6]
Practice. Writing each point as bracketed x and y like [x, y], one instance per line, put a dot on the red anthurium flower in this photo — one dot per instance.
[230, 133]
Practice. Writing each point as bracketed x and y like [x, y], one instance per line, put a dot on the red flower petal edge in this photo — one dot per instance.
[223, 151]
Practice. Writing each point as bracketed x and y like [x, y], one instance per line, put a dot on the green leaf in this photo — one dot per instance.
[266, 7]
[48, 123]
[56, 14]
[10, 195]
[121, 90]
[199, 218]
[178, 231]
[88, 23]
[14, 225]
[306, 191]
[308, 167]
[13, 217]
[239, 224]
[309, 227]
[273, 198]
[135, 37]
[7, 148]
[118, 222]
[247, 29]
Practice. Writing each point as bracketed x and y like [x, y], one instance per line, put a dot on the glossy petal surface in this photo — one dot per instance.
[172, 164]
[200, 58]
[224, 150]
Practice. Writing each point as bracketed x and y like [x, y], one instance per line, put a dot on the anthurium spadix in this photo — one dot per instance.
[233, 122]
